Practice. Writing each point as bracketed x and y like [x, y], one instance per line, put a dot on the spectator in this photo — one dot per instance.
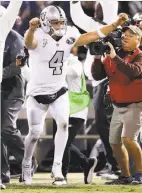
[12, 100]
[7, 19]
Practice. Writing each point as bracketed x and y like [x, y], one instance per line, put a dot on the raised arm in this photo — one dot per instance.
[29, 38]
[9, 17]
[89, 37]
[80, 19]
[106, 7]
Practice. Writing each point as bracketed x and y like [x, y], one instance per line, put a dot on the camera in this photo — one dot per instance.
[100, 47]
[115, 38]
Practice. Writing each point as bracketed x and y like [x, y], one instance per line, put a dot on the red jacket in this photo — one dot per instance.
[122, 89]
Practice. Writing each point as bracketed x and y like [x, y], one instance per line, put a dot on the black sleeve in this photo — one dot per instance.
[98, 70]
[15, 48]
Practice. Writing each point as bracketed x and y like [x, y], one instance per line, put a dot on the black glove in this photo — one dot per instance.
[23, 56]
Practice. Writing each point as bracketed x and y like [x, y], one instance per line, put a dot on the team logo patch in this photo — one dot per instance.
[52, 96]
[45, 41]
[70, 40]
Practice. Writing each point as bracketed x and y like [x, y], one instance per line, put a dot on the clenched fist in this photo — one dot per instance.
[122, 18]
[34, 23]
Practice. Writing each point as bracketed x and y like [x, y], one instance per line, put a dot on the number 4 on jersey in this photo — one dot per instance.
[57, 62]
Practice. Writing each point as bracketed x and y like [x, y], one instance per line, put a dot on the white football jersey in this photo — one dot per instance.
[7, 20]
[47, 62]
[74, 81]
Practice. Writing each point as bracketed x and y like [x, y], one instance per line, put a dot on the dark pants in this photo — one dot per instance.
[11, 136]
[103, 112]
[76, 124]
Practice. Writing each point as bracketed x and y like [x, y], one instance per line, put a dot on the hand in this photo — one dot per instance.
[112, 53]
[18, 20]
[122, 18]
[34, 23]
[20, 60]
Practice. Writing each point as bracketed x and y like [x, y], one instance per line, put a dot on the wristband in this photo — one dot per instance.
[101, 35]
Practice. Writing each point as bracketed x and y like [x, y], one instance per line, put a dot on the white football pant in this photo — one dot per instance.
[36, 114]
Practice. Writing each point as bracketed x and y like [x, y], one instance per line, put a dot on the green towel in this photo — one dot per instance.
[79, 100]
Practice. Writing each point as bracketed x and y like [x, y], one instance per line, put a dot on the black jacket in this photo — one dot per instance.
[12, 81]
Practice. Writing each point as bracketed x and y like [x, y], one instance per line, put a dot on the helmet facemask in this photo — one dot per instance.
[60, 32]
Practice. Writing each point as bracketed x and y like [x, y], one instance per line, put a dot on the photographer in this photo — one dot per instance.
[124, 71]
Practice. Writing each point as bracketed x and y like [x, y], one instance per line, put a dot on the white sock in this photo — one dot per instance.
[60, 141]
[29, 149]
[30, 143]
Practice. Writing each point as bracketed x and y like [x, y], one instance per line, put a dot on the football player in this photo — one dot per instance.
[79, 100]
